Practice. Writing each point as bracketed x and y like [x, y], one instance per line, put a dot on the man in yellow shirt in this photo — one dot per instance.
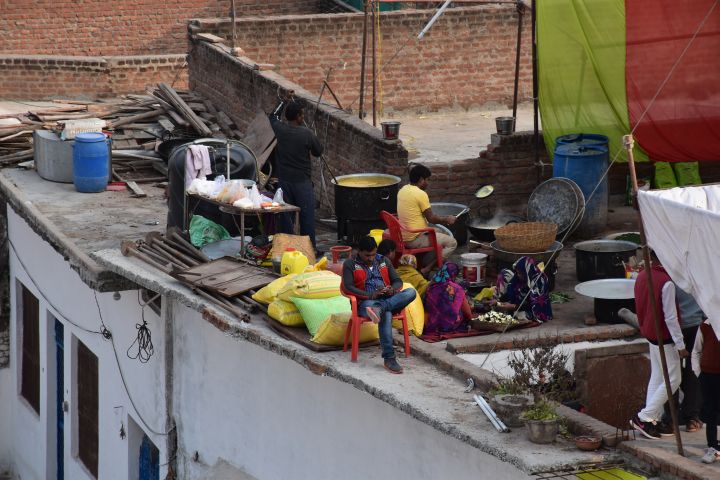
[414, 212]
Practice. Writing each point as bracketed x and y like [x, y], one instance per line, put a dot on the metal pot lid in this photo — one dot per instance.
[557, 200]
[606, 246]
[608, 288]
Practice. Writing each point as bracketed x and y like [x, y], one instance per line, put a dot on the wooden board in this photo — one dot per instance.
[226, 276]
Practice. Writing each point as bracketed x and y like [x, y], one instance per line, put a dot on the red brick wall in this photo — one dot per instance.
[508, 163]
[351, 145]
[466, 60]
[120, 27]
[36, 77]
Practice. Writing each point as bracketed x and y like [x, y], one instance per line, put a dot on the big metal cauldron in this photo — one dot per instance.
[359, 199]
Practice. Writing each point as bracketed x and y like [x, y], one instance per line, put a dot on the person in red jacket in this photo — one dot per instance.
[706, 365]
[647, 421]
[378, 288]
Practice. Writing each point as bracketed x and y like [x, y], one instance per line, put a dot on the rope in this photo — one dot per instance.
[605, 173]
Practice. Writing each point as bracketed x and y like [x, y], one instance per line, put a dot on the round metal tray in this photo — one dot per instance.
[608, 288]
[557, 200]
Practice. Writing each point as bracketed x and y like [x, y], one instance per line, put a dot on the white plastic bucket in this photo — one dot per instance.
[473, 268]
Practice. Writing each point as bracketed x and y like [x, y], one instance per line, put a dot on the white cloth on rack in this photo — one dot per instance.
[197, 163]
[682, 225]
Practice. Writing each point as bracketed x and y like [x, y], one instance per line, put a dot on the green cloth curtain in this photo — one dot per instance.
[581, 68]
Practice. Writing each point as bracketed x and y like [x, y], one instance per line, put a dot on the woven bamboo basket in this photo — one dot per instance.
[528, 237]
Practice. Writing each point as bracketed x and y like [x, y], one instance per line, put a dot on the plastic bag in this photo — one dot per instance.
[218, 184]
[254, 197]
[278, 197]
[244, 202]
[204, 231]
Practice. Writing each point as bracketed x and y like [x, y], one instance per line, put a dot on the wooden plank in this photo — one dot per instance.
[135, 118]
[166, 123]
[185, 110]
[136, 190]
[177, 118]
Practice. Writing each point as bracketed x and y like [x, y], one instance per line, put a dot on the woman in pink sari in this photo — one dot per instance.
[446, 306]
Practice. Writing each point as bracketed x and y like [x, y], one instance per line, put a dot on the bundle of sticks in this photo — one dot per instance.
[137, 124]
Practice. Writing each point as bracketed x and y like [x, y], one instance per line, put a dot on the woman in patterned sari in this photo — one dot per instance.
[446, 305]
[525, 280]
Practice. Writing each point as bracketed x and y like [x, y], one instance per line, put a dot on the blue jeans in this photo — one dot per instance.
[388, 306]
[300, 194]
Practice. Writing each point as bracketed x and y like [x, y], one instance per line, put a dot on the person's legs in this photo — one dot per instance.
[287, 220]
[386, 340]
[690, 385]
[305, 199]
[657, 394]
[447, 242]
[710, 387]
[398, 301]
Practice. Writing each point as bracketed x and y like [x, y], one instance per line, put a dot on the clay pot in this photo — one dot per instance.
[509, 407]
[588, 443]
[542, 431]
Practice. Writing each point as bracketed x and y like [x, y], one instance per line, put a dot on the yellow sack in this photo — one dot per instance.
[415, 313]
[318, 267]
[332, 331]
[486, 293]
[286, 313]
[269, 292]
[321, 284]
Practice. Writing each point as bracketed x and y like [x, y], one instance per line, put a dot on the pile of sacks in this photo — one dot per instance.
[313, 300]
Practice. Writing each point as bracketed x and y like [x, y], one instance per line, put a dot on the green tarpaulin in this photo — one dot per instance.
[581, 71]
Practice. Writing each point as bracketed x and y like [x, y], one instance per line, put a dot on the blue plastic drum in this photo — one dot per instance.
[91, 162]
[586, 165]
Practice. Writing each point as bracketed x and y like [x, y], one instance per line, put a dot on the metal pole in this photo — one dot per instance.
[374, 63]
[362, 60]
[628, 141]
[232, 16]
[434, 19]
[536, 123]
[517, 61]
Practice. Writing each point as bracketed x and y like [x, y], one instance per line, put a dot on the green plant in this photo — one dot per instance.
[507, 388]
[541, 410]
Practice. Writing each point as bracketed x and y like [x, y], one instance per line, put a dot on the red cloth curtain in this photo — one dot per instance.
[683, 123]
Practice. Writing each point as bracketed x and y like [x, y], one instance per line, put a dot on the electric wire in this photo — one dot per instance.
[143, 341]
[607, 170]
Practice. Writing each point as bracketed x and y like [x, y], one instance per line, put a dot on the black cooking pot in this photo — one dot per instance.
[359, 199]
[606, 310]
[484, 230]
[460, 212]
[596, 259]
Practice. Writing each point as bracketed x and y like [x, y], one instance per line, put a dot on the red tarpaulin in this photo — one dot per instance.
[683, 123]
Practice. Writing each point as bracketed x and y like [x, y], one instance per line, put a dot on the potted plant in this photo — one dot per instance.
[509, 400]
[542, 422]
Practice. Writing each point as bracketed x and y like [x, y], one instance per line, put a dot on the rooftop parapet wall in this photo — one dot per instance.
[39, 77]
[236, 85]
[138, 27]
[466, 60]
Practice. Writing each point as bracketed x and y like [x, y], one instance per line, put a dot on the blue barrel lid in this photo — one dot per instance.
[582, 138]
[575, 150]
[90, 137]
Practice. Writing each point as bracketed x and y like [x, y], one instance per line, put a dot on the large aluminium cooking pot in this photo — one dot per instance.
[610, 295]
[598, 259]
[484, 230]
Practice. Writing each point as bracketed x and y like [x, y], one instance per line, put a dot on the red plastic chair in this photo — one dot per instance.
[395, 229]
[353, 328]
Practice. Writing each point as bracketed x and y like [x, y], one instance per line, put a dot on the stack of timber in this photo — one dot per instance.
[137, 125]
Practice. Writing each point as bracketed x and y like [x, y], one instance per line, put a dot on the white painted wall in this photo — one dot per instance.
[274, 419]
[28, 438]
[6, 396]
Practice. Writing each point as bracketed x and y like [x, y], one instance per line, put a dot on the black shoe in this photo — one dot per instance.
[392, 365]
[647, 429]
[665, 429]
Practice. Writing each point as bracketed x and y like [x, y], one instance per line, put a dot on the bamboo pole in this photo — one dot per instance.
[362, 60]
[628, 142]
[374, 65]
[536, 122]
[517, 63]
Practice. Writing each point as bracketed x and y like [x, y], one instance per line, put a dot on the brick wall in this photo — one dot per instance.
[122, 27]
[508, 163]
[241, 90]
[466, 60]
[39, 77]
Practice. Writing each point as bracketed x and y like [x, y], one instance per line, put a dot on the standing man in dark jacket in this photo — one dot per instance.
[377, 286]
[295, 143]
